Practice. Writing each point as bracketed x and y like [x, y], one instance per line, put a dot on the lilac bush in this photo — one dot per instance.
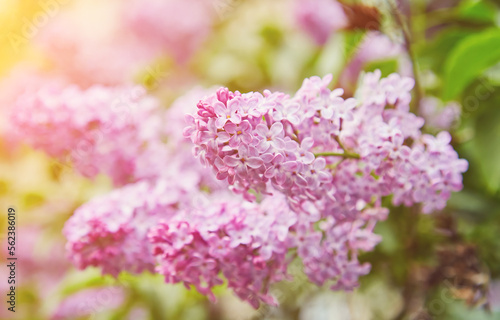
[300, 177]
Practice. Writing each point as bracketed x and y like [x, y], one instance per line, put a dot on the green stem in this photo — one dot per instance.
[338, 139]
[336, 154]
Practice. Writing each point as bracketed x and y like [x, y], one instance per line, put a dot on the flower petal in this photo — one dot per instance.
[276, 129]
[262, 130]
[254, 162]
[290, 165]
[231, 161]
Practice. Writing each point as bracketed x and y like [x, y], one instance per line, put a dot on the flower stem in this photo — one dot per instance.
[336, 154]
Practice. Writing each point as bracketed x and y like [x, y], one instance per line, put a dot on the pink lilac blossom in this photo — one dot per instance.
[320, 18]
[42, 271]
[253, 150]
[332, 252]
[21, 80]
[114, 131]
[437, 115]
[194, 238]
[203, 243]
[177, 27]
[320, 165]
[100, 129]
[426, 171]
[333, 159]
[89, 302]
[111, 231]
[45, 263]
[177, 149]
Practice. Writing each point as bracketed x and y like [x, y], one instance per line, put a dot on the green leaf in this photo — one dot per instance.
[486, 147]
[390, 243]
[481, 11]
[433, 55]
[352, 43]
[457, 310]
[468, 59]
[273, 35]
[386, 66]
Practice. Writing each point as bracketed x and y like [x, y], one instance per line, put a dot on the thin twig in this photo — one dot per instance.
[398, 16]
[337, 154]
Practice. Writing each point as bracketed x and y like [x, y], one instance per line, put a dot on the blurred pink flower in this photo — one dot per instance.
[438, 116]
[176, 27]
[494, 296]
[90, 48]
[100, 130]
[320, 18]
[41, 261]
[22, 79]
[110, 231]
[88, 302]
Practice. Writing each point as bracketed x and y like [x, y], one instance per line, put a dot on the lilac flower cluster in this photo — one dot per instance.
[198, 246]
[333, 158]
[438, 116]
[111, 231]
[318, 164]
[237, 135]
[194, 238]
[99, 130]
[414, 167]
[318, 147]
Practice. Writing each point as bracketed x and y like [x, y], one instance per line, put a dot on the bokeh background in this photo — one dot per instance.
[440, 266]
